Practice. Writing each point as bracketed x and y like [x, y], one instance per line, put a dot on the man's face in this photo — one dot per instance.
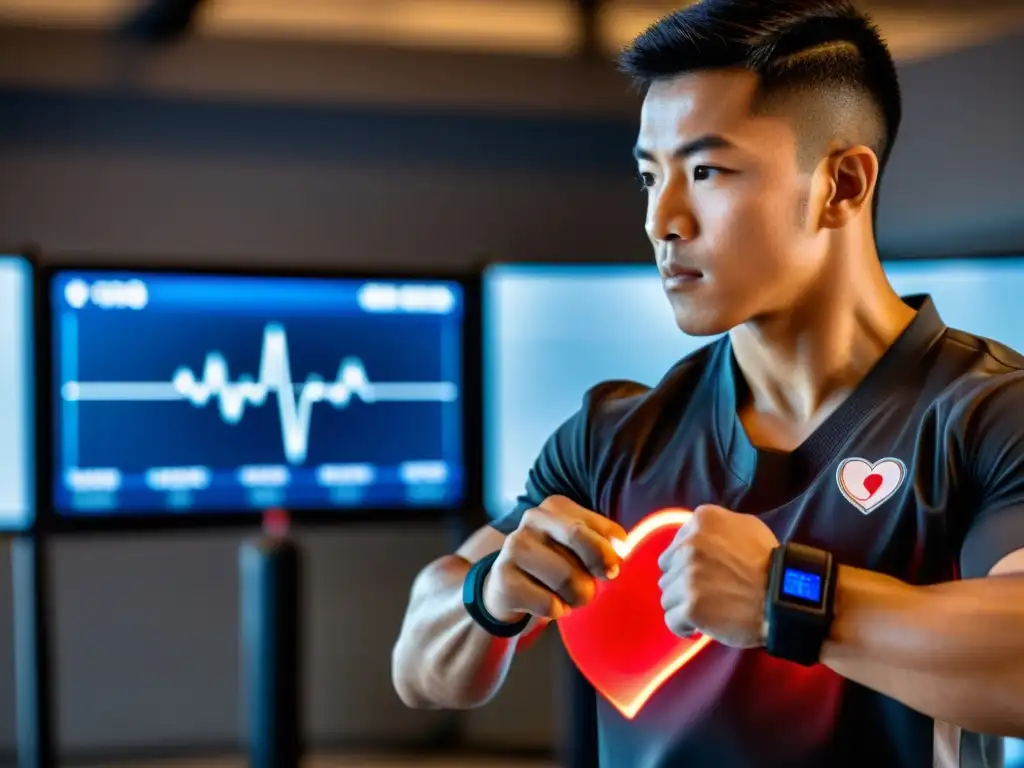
[728, 211]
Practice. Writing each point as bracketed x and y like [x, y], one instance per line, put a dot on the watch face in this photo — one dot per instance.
[802, 586]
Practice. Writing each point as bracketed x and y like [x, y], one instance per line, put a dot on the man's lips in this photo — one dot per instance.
[677, 276]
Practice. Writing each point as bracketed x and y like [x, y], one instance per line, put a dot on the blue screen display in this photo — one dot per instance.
[802, 585]
[553, 331]
[17, 402]
[1014, 753]
[179, 393]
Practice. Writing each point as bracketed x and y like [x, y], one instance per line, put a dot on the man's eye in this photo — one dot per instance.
[704, 172]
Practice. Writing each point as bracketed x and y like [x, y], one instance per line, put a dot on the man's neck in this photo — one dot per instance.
[799, 366]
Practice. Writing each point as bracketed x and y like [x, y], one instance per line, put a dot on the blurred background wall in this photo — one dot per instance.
[301, 134]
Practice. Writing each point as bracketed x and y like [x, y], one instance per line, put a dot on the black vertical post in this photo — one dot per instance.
[32, 662]
[270, 571]
[579, 748]
[589, 14]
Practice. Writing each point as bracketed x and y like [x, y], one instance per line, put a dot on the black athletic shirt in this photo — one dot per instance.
[945, 406]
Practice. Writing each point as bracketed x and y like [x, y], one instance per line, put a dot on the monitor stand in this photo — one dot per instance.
[271, 596]
[32, 657]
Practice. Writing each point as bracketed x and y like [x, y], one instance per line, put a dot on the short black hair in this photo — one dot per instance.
[825, 47]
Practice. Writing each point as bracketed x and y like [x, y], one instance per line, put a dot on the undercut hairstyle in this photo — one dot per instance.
[823, 58]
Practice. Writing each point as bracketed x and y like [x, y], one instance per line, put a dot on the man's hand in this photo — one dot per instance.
[549, 564]
[715, 577]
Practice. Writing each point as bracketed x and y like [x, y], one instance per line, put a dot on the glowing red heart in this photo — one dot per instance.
[619, 641]
[872, 483]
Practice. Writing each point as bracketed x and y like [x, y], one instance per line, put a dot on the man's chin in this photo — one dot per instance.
[703, 321]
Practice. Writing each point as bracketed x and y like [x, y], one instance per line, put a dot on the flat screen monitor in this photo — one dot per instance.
[979, 295]
[180, 394]
[17, 389]
[553, 331]
[550, 333]
[1014, 753]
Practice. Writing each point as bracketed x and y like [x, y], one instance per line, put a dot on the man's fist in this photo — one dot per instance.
[715, 577]
[549, 564]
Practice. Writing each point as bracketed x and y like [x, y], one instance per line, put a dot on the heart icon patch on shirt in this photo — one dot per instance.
[867, 485]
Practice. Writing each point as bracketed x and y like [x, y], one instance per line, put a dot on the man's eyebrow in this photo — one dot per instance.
[700, 144]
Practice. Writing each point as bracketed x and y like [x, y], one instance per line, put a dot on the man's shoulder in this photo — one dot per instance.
[992, 357]
[984, 369]
[609, 402]
[984, 398]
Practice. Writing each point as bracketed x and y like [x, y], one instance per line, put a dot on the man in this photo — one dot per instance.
[833, 415]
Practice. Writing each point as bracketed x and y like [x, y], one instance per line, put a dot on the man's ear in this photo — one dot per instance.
[852, 178]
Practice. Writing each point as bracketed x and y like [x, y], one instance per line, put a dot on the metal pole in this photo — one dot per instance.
[32, 658]
[270, 570]
[579, 710]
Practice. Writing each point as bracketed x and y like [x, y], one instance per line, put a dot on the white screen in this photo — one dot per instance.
[553, 331]
[980, 296]
[17, 422]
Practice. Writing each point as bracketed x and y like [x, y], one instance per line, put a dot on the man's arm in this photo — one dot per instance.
[548, 564]
[442, 657]
[953, 651]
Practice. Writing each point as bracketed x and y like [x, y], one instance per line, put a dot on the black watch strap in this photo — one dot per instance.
[793, 632]
[796, 639]
[473, 599]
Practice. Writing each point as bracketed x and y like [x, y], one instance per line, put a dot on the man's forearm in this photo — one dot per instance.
[953, 651]
[442, 658]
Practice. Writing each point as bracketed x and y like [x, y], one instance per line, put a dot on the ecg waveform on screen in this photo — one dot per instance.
[294, 401]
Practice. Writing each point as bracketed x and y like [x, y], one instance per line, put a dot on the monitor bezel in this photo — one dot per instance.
[47, 513]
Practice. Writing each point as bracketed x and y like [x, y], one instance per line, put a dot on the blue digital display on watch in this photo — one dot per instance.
[801, 585]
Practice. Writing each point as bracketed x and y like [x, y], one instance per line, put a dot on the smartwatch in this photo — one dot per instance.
[473, 599]
[799, 607]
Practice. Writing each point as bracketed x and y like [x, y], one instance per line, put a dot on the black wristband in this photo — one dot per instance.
[799, 625]
[473, 599]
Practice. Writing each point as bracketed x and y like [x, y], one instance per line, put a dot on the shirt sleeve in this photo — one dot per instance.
[995, 449]
[563, 467]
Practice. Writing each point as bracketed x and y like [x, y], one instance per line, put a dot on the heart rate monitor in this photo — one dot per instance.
[799, 604]
[802, 586]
